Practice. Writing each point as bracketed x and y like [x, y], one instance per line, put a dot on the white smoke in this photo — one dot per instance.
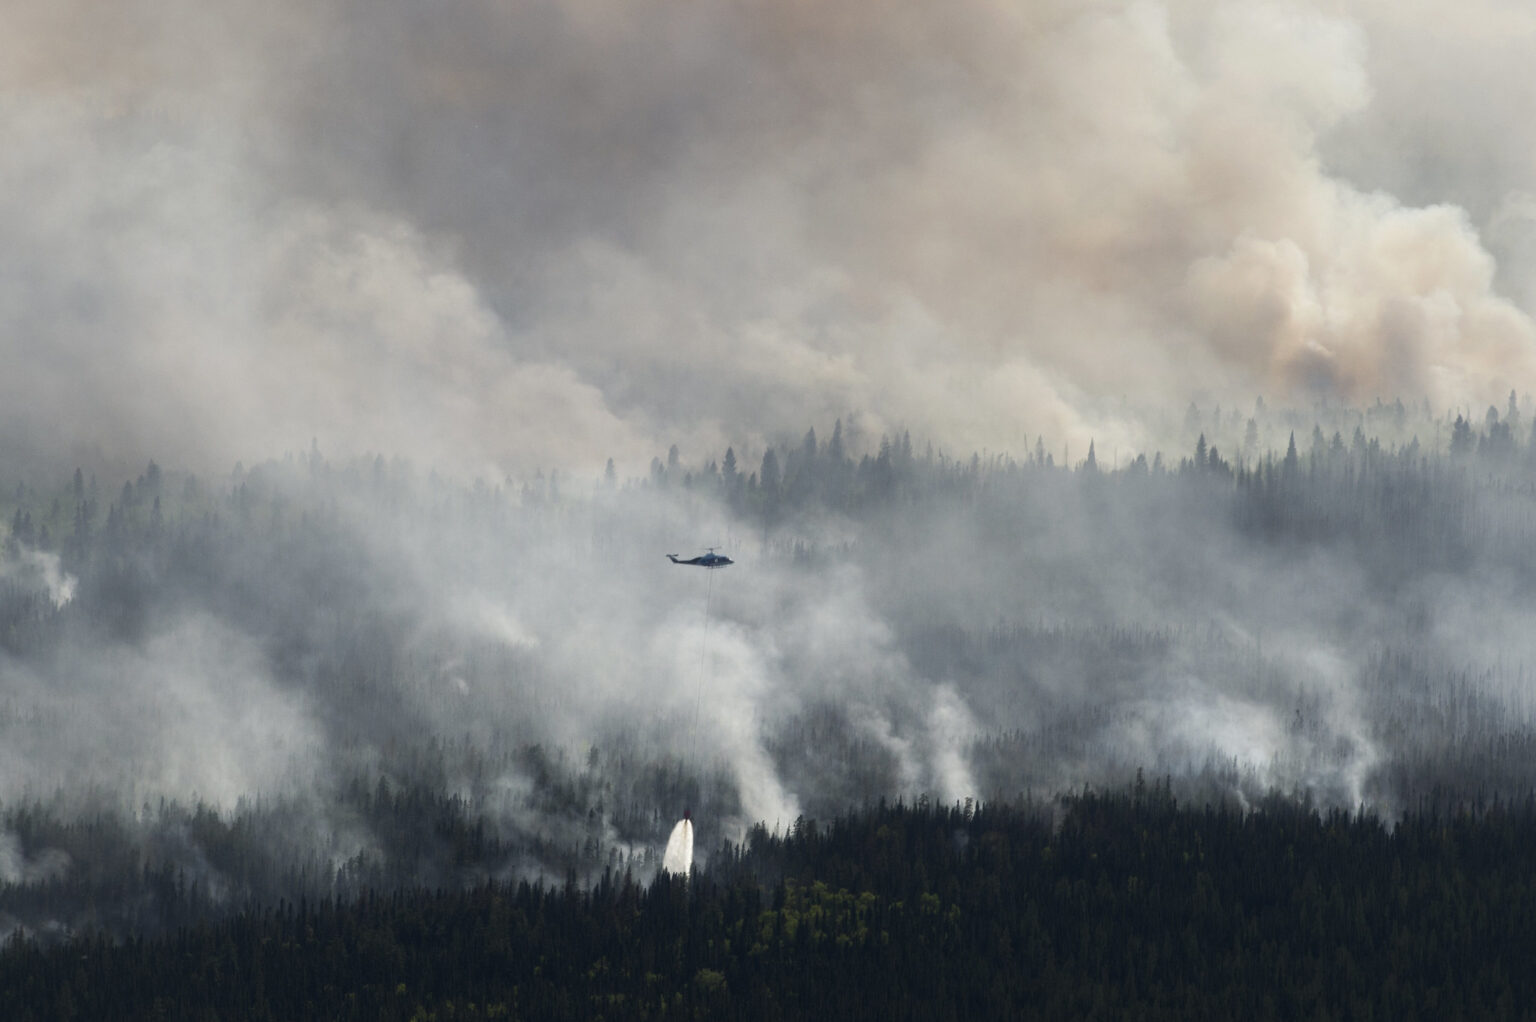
[950, 729]
[193, 712]
[527, 238]
[16, 867]
[40, 567]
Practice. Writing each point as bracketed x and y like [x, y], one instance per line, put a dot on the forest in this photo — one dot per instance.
[320, 714]
[1100, 906]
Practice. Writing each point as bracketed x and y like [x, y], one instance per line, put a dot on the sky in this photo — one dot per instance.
[496, 237]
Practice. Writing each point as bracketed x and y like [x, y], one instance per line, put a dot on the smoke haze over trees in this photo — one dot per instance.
[308, 677]
[492, 237]
[1085, 392]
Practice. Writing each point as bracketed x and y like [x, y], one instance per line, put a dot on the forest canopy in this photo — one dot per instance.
[316, 677]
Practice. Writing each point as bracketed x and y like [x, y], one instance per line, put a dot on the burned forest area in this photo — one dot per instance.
[1242, 730]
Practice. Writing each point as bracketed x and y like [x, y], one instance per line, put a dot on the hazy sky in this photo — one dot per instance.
[501, 235]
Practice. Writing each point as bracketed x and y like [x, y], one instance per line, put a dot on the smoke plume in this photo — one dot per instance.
[385, 286]
[496, 238]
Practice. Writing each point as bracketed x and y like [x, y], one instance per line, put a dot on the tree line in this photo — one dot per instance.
[1123, 904]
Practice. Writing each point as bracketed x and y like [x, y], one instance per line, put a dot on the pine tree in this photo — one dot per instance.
[768, 474]
[1462, 440]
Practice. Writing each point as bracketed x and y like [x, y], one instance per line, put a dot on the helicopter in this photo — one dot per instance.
[709, 560]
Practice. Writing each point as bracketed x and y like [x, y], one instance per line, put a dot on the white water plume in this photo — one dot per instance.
[678, 857]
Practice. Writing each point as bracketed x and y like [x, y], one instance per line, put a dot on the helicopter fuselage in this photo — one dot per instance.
[709, 560]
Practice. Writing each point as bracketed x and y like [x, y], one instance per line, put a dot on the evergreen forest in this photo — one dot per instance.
[1243, 729]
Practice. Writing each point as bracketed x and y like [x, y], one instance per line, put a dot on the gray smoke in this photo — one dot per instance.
[495, 238]
[28, 567]
[470, 252]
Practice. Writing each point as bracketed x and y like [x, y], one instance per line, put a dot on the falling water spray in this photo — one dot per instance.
[678, 857]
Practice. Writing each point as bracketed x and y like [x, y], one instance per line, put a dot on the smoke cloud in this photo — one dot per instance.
[460, 255]
[496, 238]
